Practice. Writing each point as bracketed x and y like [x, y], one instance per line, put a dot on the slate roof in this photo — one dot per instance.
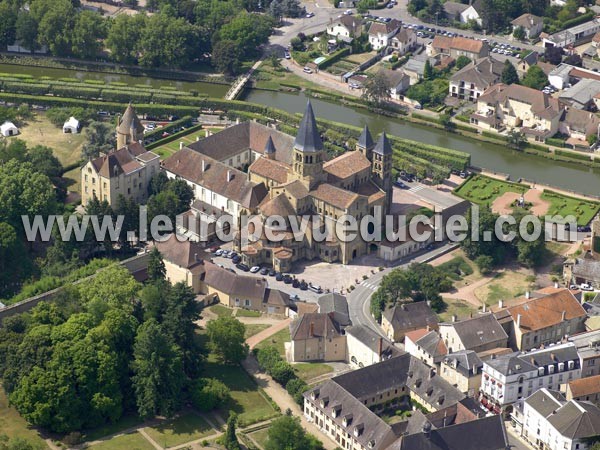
[322, 325]
[577, 420]
[129, 120]
[427, 384]
[187, 164]
[542, 105]
[407, 316]
[545, 401]
[337, 305]
[517, 362]
[547, 311]
[308, 138]
[346, 165]
[587, 268]
[527, 21]
[371, 339]
[123, 160]
[365, 139]
[185, 253]
[465, 362]
[479, 331]
[482, 73]
[383, 146]
[269, 146]
[487, 433]
[454, 8]
[531, 58]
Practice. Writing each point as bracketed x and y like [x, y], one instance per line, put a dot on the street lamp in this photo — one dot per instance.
[437, 13]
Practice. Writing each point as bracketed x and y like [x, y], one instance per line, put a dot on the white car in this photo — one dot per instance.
[574, 287]
[254, 269]
[586, 287]
[307, 70]
[310, 14]
[348, 12]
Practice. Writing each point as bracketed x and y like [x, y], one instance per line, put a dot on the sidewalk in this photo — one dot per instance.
[253, 341]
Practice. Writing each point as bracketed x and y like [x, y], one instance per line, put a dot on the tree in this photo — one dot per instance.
[592, 139]
[287, 433]
[509, 73]
[473, 248]
[553, 55]
[377, 89]
[123, 37]
[485, 264]
[8, 22]
[462, 61]
[99, 137]
[282, 372]
[230, 440]
[226, 57]
[158, 372]
[209, 393]
[156, 266]
[516, 139]
[535, 78]
[227, 341]
[573, 59]
[89, 30]
[296, 387]
[519, 33]
[446, 122]
[113, 287]
[56, 22]
[248, 31]
[43, 159]
[428, 72]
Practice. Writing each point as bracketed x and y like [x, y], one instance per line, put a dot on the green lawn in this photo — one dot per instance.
[460, 308]
[13, 425]
[185, 428]
[484, 190]
[260, 436]
[308, 371]
[255, 328]
[583, 211]
[221, 311]
[247, 313]
[277, 340]
[124, 423]
[505, 286]
[247, 399]
[133, 441]
[169, 148]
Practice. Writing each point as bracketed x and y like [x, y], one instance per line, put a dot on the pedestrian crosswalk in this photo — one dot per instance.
[370, 285]
[416, 188]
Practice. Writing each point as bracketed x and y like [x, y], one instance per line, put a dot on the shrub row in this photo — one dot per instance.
[172, 137]
[569, 155]
[556, 142]
[281, 371]
[577, 20]
[334, 57]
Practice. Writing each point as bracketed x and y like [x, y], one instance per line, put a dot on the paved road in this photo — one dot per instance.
[359, 298]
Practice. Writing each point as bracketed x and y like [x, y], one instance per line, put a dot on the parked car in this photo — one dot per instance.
[315, 288]
[399, 184]
[287, 279]
[219, 252]
[295, 283]
[303, 285]
[294, 298]
[236, 259]
[287, 56]
[225, 254]
[264, 271]
[279, 276]
[243, 267]
[574, 287]
[586, 287]
[348, 12]
[254, 269]
[310, 14]
[232, 255]
[272, 272]
[307, 70]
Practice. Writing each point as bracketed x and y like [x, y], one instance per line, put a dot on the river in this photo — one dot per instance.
[489, 156]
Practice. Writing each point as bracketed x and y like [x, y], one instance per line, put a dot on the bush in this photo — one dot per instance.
[209, 393]
[267, 358]
[296, 387]
[282, 372]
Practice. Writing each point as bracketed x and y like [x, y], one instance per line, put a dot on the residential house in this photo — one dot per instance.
[461, 12]
[406, 244]
[380, 33]
[588, 347]
[551, 422]
[509, 378]
[405, 41]
[426, 345]
[480, 333]
[337, 305]
[317, 337]
[365, 347]
[458, 46]
[184, 262]
[576, 35]
[473, 79]
[247, 292]
[398, 81]
[125, 172]
[581, 95]
[547, 319]
[536, 114]
[579, 125]
[531, 24]
[463, 370]
[560, 76]
[529, 60]
[400, 319]
[415, 68]
[346, 28]
[580, 270]
[584, 389]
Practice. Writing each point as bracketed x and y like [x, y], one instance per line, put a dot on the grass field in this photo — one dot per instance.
[308, 371]
[505, 286]
[13, 425]
[260, 436]
[133, 441]
[255, 328]
[247, 313]
[459, 308]
[484, 190]
[583, 211]
[185, 428]
[221, 311]
[247, 399]
[277, 340]
[124, 423]
[267, 77]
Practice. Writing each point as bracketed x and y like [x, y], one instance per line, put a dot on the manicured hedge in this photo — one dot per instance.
[334, 57]
[556, 142]
[570, 155]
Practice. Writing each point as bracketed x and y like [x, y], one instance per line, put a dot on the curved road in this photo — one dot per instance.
[359, 298]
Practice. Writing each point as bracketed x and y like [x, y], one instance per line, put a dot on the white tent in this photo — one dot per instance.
[71, 125]
[8, 129]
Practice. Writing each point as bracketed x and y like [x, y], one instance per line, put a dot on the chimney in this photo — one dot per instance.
[431, 373]
[197, 138]
[237, 120]
[454, 318]
[428, 328]
[429, 303]
[203, 165]
[195, 256]
[229, 176]
[552, 356]
[518, 320]
[527, 295]
[311, 332]
[556, 284]
[180, 145]
[207, 133]
[484, 307]
[501, 304]
[564, 316]
[380, 346]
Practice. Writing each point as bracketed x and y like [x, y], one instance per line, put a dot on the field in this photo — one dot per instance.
[483, 190]
[583, 210]
[267, 77]
[221, 311]
[185, 428]
[247, 399]
[455, 307]
[247, 313]
[255, 328]
[505, 286]
[308, 371]
[13, 425]
[277, 340]
[171, 147]
[132, 441]
[260, 436]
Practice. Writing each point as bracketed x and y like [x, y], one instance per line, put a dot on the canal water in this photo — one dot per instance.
[493, 157]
